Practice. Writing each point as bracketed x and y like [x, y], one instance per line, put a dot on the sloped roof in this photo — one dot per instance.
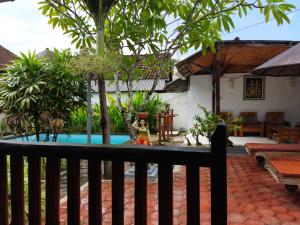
[141, 85]
[235, 57]
[138, 85]
[44, 54]
[177, 86]
[6, 56]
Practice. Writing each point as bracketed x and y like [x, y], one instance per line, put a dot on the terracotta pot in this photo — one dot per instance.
[235, 133]
[142, 115]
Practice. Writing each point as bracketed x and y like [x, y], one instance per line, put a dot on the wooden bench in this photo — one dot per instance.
[288, 134]
[286, 172]
[263, 152]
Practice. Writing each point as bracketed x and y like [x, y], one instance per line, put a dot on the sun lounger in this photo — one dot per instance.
[286, 172]
[263, 152]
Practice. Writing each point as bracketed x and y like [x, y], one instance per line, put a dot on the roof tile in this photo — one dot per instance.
[6, 56]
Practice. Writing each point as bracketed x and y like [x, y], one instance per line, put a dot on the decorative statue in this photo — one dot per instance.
[143, 134]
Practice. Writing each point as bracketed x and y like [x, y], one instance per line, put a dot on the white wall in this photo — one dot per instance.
[200, 93]
[177, 101]
[278, 97]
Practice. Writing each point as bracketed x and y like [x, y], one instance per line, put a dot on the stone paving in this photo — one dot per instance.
[254, 198]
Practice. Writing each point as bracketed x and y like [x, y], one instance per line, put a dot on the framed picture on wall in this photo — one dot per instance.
[254, 88]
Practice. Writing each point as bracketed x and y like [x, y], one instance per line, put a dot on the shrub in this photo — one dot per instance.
[116, 117]
[205, 125]
[32, 87]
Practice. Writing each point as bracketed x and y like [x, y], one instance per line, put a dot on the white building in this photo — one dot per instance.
[177, 101]
[236, 60]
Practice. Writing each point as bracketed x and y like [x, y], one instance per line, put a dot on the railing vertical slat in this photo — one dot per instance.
[52, 191]
[3, 190]
[117, 192]
[193, 196]
[140, 205]
[34, 190]
[165, 193]
[95, 203]
[219, 177]
[17, 190]
[73, 189]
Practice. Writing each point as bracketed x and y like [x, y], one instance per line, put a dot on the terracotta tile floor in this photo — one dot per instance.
[253, 198]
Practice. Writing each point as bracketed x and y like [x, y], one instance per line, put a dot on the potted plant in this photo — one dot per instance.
[236, 125]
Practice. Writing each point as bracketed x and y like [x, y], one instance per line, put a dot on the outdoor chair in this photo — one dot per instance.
[250, 124]
[274, 119]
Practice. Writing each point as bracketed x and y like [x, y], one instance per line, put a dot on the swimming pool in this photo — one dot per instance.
[77, 138]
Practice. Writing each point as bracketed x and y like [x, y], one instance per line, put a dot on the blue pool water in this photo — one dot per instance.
[78, 138]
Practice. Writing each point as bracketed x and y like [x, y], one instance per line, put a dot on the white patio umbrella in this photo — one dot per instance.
[286, 64]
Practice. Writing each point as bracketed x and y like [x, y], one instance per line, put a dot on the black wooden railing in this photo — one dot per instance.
[165, 157]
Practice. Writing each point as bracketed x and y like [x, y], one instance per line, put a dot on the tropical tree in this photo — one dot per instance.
[155, 26]
[75, 18]
[36, 92]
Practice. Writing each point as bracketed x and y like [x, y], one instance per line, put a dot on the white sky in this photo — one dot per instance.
[23, 27]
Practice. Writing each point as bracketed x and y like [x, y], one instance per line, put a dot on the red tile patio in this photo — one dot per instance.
[254, 198]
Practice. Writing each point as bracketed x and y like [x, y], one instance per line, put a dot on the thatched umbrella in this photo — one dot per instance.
[285, 64]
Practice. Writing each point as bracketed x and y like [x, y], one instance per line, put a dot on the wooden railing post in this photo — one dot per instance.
[165, 193]
[140, 199]
[17, 190]
[95, 197]
[3, 190]
[34, 192]
[219, 177]
[117, 192]
[73, 180]
[193, 194]
[52, 190]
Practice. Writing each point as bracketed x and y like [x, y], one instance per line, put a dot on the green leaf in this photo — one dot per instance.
[225, 24]
[267, 13]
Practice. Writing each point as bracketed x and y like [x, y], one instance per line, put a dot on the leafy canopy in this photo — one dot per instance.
[156, 25]
[86, 63]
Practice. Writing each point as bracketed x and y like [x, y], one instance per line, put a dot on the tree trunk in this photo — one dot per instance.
[105, 128]
[118, 92]
[37, 129]
[151, 91]
[155, 82]
[129, 113]
[89, 111]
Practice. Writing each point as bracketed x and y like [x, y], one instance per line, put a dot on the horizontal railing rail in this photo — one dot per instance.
[151, 154]
[164, 156]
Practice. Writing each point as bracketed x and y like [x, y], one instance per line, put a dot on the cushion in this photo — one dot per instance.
[286, 168]
[258, 147]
